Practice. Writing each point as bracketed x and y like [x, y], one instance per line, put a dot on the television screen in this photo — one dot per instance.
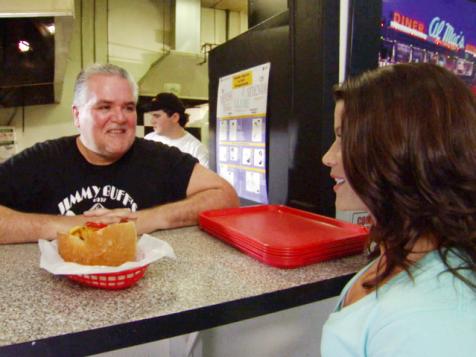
[27, 61]
[435, 31]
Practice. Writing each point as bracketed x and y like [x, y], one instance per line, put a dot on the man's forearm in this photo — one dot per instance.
[184, 212]
[19, 227]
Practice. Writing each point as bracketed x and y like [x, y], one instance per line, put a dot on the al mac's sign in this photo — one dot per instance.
[439, 31]
[442, 30]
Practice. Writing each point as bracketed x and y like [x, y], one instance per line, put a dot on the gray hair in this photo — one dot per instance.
[81, 88]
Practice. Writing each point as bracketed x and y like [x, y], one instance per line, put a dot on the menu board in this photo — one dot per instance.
[241, 131]
[7, 142]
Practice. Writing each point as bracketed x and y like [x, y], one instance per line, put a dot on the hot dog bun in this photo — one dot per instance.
[112, 245]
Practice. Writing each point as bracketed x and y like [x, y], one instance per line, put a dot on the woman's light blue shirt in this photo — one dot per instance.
[434, 315]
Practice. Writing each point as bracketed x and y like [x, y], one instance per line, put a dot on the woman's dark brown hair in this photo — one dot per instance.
[409, 152]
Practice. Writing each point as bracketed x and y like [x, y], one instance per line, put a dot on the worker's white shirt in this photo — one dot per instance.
[187, 143]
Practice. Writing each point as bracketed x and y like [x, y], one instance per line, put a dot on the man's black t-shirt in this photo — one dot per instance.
[53, 177]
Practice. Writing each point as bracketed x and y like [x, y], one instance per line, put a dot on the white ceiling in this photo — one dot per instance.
[232, 5]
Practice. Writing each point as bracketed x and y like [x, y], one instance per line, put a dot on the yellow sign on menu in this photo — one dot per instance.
[243, 79]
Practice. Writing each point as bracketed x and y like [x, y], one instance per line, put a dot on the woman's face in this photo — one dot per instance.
[346, 198]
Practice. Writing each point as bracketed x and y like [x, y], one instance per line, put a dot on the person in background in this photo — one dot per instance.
[405, 151]
[105, 174]
[169, 120]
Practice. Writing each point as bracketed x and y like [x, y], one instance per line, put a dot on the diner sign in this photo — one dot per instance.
[447, 23]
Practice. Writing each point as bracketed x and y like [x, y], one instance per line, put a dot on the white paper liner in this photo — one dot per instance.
[149, 249]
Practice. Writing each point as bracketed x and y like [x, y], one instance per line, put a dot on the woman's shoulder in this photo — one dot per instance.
[425, 313]
[430, 287]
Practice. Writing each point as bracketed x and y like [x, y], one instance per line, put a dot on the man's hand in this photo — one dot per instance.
[109, 216]
[19, 227]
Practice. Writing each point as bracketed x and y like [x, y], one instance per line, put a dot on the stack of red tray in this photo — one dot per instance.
[282, 236]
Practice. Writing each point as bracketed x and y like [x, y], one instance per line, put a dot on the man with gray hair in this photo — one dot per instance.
[105, 174]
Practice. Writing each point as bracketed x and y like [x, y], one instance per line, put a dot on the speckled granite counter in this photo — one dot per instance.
[210, 284]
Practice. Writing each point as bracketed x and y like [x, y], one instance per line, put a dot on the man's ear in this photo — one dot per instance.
[175, 117]
[75, 110]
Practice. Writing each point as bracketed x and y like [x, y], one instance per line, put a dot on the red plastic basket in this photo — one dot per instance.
[111, 281]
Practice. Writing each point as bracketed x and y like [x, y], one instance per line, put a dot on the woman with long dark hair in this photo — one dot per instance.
[405, 151]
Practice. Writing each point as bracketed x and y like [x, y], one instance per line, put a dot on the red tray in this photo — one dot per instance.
[350, 245]
[282, 236]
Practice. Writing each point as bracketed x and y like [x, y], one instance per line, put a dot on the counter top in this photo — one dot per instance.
[208, 285]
